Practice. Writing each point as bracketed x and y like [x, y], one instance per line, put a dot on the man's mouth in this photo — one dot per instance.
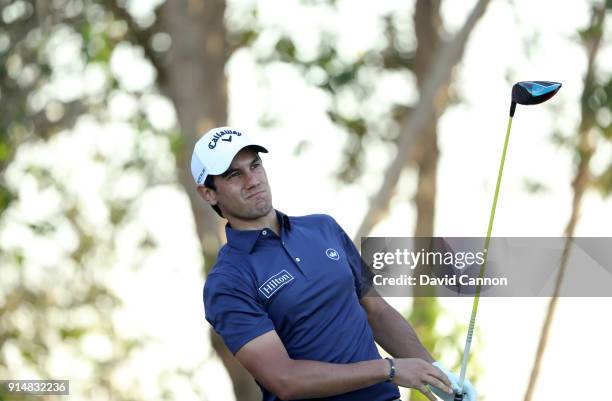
[255, 194]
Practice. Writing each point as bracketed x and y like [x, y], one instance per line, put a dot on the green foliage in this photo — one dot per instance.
[41, 228]
[118, 211]
[247, 38]
[6, 197]
[45, 306]
[72, 333]
[534, 187]
[177, 143]
[98, 44]
[357, 127]
[596, 104]
[5, 151]
[603, 182]
[342, 77]
[285, 49]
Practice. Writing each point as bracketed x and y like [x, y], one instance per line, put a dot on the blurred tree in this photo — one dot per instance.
[52, 308]
[595, 127]
[187, 44]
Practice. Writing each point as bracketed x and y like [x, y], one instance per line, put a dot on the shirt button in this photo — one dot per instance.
[264, 232]
[297, 259]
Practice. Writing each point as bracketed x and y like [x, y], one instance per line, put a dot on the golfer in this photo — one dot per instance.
[289, 297]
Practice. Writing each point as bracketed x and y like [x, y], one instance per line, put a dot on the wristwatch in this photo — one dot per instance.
[391, 369]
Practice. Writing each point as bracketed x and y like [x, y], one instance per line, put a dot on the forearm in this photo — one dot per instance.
[395, 335]
[312, 379]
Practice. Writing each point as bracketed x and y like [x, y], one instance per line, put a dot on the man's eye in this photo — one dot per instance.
[232, 175]
[256, 164]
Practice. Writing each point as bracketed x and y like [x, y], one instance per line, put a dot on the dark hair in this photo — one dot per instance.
[210, 183]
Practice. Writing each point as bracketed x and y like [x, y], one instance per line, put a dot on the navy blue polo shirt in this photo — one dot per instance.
[305, 284]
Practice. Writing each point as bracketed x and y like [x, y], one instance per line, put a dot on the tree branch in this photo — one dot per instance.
[411, 129]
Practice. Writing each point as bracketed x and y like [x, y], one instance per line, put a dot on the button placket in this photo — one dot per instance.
[296, 260]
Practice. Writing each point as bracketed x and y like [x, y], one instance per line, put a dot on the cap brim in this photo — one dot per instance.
[223, 169]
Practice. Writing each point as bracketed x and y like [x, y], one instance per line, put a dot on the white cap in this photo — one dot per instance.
[214, 151]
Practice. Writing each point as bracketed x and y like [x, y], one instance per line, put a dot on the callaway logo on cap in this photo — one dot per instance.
[215, 150]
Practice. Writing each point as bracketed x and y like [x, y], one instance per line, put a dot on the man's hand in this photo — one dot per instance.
[419, 374]
[468, 389]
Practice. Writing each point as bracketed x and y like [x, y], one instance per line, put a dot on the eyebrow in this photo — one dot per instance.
[232, 169]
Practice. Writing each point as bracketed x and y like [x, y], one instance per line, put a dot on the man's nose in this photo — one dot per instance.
[251, 179]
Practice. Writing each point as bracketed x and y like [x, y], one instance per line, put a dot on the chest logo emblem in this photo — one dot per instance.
[274, 283]
[332, 254]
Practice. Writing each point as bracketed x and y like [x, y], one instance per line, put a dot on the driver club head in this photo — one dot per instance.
[532, 92]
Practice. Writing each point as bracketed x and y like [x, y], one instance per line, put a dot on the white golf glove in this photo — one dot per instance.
[468, 389]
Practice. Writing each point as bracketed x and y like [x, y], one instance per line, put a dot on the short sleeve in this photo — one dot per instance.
[232, 308]
[362, 274]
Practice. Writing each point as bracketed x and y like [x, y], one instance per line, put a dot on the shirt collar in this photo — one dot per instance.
[245, 240]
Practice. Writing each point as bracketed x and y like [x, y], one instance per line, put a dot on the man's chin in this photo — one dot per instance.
[254, 211]
[258, 211]
[263, 205]
[265, 209]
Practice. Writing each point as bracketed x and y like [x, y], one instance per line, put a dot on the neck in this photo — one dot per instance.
[268, 221]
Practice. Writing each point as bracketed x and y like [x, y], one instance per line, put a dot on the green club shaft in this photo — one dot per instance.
[468, 340]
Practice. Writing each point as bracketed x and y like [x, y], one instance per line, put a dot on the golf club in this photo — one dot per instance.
[525, 93]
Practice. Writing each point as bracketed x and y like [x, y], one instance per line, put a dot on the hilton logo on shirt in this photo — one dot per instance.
[275, 282]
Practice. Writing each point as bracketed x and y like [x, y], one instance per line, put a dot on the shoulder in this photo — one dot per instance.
[226, 287]
[230, 262]
[229, 271]
[320, 224]
[314, 219]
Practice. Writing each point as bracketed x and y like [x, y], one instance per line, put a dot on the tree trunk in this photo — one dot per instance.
[193, 76]
[580, 184]
[427, 27]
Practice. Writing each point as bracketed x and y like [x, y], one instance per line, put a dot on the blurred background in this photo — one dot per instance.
[388, 115]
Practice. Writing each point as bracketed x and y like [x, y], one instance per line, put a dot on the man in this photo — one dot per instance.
[289, 298]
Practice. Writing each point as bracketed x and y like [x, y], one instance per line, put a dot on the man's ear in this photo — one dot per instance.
[209, 195]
